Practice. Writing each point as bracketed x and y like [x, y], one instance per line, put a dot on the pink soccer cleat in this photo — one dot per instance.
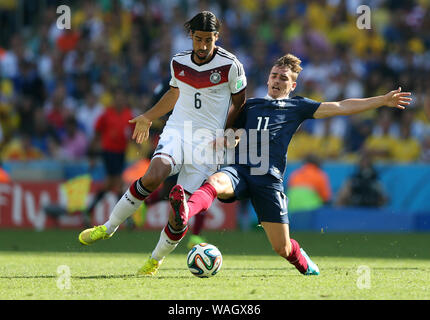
[178, 201]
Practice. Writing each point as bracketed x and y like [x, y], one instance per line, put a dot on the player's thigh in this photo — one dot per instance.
[269, 200]
[232, 182]
[170, 148]
[279, 237]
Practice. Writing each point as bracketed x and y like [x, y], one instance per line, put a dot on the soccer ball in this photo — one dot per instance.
[204, 260]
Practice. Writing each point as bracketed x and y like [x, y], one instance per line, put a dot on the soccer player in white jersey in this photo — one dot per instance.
[207, 92]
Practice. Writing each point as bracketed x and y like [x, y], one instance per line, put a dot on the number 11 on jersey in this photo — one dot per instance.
[266, 122]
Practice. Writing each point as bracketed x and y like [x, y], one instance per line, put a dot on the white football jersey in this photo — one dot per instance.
[205, 90]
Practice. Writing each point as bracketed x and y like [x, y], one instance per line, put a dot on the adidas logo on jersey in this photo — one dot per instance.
[182, 73]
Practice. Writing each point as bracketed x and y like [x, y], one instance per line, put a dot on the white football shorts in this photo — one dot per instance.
[195, 161]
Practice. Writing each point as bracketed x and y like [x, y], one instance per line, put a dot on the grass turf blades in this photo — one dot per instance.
[53, 265]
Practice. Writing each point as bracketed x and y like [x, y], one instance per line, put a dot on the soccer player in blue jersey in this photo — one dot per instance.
[278, 116]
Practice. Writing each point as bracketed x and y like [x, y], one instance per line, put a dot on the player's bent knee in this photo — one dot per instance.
[219, 181]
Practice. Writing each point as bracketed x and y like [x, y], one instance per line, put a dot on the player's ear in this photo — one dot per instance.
[293, 86]
[216, 36]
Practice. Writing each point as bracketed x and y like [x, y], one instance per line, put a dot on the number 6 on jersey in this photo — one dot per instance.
[197, 101]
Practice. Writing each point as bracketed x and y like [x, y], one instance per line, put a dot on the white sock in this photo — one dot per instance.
[124, 208]
[164, 246]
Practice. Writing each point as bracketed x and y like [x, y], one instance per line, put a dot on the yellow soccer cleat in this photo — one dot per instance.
[150, 267]
[89, 236]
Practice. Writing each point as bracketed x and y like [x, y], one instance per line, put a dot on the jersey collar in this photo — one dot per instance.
[268, 97]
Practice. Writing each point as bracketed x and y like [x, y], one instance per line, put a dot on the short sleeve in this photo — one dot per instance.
[308, 107]
[173, 82]
[236, 77]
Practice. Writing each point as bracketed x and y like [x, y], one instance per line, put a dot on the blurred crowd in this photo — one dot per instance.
[54, 83]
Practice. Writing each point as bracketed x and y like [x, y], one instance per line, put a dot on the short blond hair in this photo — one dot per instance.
[292, 62]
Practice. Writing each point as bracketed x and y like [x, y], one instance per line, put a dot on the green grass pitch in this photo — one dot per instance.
[353, 266]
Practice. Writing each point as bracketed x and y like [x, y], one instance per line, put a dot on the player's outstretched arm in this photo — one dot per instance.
[394, 99]
[162, 107]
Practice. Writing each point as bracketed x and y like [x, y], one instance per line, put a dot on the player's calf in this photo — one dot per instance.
[158, 171]
[283, 250]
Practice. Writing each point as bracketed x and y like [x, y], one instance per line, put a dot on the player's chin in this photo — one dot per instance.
[202, 56]
[275, 93]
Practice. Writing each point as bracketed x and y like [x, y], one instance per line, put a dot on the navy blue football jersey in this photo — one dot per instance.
[269, 125]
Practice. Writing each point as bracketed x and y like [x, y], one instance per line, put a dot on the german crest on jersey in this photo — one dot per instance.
[215, 77]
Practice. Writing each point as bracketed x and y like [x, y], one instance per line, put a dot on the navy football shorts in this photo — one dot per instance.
[266, 193]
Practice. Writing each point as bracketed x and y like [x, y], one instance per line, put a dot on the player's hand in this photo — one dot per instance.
[141, 130]
[397, 99]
